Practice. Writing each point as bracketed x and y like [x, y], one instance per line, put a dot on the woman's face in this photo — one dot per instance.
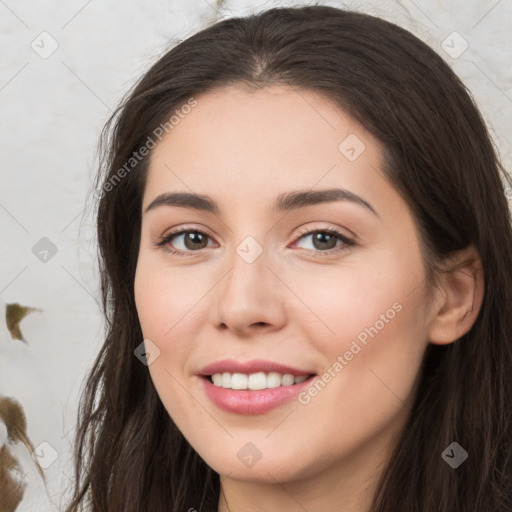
[264, 287]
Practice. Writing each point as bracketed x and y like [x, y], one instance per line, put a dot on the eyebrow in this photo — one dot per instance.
[283, 203]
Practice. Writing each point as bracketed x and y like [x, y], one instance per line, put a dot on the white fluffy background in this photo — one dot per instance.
[52, 111]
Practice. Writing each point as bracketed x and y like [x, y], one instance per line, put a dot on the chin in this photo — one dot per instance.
[266, 470]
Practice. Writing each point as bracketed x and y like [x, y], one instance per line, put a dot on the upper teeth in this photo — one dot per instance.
[255, 381]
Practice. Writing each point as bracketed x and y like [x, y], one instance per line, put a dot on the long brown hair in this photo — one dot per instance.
[129, 454]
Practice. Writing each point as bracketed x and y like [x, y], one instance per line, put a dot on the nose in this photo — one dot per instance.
[250, 298]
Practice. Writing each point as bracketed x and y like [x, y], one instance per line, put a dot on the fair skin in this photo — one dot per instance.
[292, 304]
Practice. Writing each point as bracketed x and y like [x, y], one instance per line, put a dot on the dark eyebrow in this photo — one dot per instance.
[284, 202]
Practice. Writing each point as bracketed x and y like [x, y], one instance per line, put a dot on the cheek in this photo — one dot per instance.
[154, 305]
[165, 302]
[170, 304]
[357, 301]
[372, 360]
[166, 298]
[369, 325]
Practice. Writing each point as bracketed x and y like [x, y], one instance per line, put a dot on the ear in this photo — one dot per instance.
[459, 297]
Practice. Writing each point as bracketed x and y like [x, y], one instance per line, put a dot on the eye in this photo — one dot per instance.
[324, 241]
[192, 240]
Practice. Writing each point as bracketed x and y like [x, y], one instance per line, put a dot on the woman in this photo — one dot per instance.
[306, 265]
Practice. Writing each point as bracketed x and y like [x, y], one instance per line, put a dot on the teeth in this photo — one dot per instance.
[288, 380]
[226, 380]
[274, 380]
[255, 381]
[238, 381]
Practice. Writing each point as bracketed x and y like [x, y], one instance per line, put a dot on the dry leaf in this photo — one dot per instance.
[14, 314]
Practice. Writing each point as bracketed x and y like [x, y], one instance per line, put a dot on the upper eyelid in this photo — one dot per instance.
[186, 229]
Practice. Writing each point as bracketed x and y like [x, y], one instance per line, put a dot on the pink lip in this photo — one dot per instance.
[254, 366]
[247, 402]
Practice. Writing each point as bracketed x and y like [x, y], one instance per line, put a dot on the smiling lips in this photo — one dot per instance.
[255, 381]
[253, 387]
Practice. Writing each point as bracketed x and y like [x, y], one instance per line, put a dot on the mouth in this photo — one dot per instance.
[253, 387]
[255, 381]
[253, 375]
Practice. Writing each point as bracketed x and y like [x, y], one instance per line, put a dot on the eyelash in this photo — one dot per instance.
[348, 243]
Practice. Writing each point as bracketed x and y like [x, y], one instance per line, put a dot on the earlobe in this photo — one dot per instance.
[461, 296]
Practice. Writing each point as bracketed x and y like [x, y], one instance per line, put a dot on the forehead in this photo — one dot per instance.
[283, 117]
[252, 143]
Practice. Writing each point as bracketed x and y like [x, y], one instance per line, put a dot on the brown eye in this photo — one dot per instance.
[194, 240]
[184, 241]
[324, 241]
